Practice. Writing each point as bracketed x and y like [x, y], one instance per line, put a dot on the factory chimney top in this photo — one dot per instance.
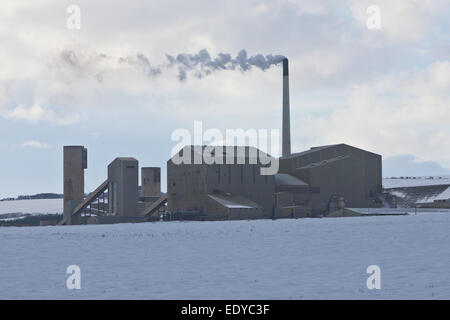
[285, 67]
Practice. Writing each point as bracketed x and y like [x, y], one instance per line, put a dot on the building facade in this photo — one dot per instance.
[307, 184]
[337, 171]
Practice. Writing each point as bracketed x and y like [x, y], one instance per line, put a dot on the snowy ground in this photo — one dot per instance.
[284, 259]
[34, 206]
[394, 211]
[416, 182]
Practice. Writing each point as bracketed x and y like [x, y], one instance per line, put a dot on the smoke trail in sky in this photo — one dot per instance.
[199, 64]
[202, 64]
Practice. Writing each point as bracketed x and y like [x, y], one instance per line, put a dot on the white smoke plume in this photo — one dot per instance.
[199, 64]
[202, 64]
[142, 62]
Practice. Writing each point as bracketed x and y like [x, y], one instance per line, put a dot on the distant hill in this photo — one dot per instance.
[407, 165]
[36, 196]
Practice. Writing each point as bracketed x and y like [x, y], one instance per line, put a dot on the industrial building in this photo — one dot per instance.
[336, 171]
[219, 191]
[417, 192]
[310, 183]
[117, 199]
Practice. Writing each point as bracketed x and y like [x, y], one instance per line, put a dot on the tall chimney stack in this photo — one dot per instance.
[286, 128]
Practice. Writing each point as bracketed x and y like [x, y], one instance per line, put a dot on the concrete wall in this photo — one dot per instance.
[216, 210]
[186, 187]
[189, 184]
[244, 180]
[123, 186]
[75, 161]
[245, 214]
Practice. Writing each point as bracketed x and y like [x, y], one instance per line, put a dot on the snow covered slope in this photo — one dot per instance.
[32, 206]
[293, 259]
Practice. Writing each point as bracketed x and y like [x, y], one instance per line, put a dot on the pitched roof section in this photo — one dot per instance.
[321, 148]
[284, 179]
[442, 196]
[312, 150]
[233, 201]
[322, 163]
[125, 159]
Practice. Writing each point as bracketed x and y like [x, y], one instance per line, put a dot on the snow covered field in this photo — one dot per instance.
[284, 259]
[417, 181]
[33, 206]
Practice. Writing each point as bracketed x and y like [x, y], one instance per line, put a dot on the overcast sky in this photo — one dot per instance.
[109, 86]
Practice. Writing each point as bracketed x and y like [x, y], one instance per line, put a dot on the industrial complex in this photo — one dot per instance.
[310, 183]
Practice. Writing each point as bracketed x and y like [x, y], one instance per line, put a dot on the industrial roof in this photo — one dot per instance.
[234, 201]
[320, 148]
[312, 150]
[322, 163]
[410, 196]
[125, 159]
[284, 179]
[247, 151]
[444, 195]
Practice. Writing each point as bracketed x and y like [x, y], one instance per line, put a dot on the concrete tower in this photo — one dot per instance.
[286, 128]
[75, 161]
[123, 186]
[151, 181]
